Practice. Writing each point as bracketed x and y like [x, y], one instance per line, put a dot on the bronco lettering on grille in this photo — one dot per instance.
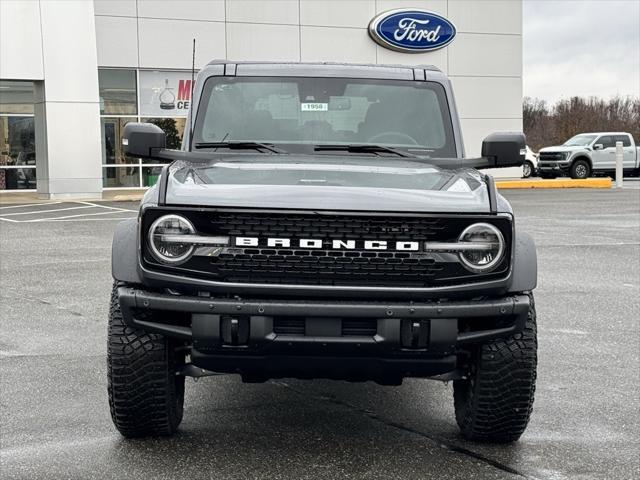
[315, 243]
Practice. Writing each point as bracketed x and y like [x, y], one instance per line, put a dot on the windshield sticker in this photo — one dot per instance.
[314, 107]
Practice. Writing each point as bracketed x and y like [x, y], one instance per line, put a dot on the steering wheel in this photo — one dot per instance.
[393, 134]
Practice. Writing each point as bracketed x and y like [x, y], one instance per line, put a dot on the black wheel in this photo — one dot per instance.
[580, 169]
[494, 403]
[146, 397]
[527, 169]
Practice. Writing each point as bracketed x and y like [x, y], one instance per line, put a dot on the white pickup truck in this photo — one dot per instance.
[589, 154]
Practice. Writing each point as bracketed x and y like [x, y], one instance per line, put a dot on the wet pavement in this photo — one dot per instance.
[54, 419]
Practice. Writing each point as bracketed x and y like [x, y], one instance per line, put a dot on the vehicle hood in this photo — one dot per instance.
[326, 182]
[561, 148]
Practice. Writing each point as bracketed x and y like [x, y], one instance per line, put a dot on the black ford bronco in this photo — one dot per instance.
[322, 221]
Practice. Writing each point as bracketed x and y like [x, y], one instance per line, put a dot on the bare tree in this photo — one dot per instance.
[552, 125]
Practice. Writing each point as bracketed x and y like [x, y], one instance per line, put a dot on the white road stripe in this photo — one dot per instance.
[107, 206]
[82, 205]
[69, 216]
[89, 219]
[46, 211]
[31, 205]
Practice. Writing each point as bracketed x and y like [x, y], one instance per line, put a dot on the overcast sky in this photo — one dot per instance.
[581, 47]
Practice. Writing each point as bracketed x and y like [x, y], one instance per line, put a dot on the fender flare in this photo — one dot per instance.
[524, 275]
[582, 156]
[124, 252]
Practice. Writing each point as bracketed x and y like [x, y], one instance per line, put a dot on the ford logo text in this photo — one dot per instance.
[411, 30]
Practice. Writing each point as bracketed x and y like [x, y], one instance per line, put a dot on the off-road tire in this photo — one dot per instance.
[146, 397]
[495, 402]
[578, 167]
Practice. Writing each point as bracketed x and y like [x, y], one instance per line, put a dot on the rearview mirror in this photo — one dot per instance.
[143, 140]
[598, 146]
[340, 103]
[504, 149]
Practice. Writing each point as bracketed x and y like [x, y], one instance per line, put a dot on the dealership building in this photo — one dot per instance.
[73, 73]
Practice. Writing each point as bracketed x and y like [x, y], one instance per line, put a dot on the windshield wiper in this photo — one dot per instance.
[352, 148]
[241, 145]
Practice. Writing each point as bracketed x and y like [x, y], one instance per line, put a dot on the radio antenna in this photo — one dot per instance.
[193, 81]
[193, 67]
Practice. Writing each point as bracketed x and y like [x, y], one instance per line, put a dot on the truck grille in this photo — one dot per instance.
[328, 266]
[553, 156]
[323, 267]
[289, 326]
[334, 226]
[359, 327]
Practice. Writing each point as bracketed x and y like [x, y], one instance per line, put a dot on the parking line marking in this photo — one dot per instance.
[108, 207]
[30, 205]
[79, 206]
[69, 216]
[86, 219]
[46, 211]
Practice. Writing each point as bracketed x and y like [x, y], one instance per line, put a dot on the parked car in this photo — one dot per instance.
[589, 154]
[530, 165]
[321, 221]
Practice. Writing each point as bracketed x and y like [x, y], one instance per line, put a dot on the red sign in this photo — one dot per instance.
[184, 90]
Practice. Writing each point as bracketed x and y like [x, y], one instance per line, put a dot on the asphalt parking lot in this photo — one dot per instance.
[54, 418]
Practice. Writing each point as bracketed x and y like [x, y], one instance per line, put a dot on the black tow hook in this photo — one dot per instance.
[234, 330]
[414, 333]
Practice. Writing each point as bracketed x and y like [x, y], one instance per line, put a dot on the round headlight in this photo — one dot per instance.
[483, 247]
[164, 239]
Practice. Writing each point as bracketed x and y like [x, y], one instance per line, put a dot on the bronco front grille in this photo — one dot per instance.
[323, 266]
[334, 226]
[326, 265]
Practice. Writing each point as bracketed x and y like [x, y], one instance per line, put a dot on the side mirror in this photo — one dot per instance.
[598, 146]
[143, 140]
[504, 149]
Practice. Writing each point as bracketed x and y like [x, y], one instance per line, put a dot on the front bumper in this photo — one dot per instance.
[554, 166]
[247, 336]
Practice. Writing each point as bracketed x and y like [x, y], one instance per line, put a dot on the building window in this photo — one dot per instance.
[172, 127]
[17, 136]
[165, 93]
[118, 170]
[117, 92]
[158, 97]
[122, 176]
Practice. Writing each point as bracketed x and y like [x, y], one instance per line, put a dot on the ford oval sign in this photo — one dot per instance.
[411, 30]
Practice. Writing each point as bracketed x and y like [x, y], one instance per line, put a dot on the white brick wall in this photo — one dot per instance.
[484, 61]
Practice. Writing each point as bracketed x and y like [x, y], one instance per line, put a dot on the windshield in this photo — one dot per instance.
[580, 141]
[301, 113]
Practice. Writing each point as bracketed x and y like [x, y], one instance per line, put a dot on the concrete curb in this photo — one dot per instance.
[555, 183]
[127, 198]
